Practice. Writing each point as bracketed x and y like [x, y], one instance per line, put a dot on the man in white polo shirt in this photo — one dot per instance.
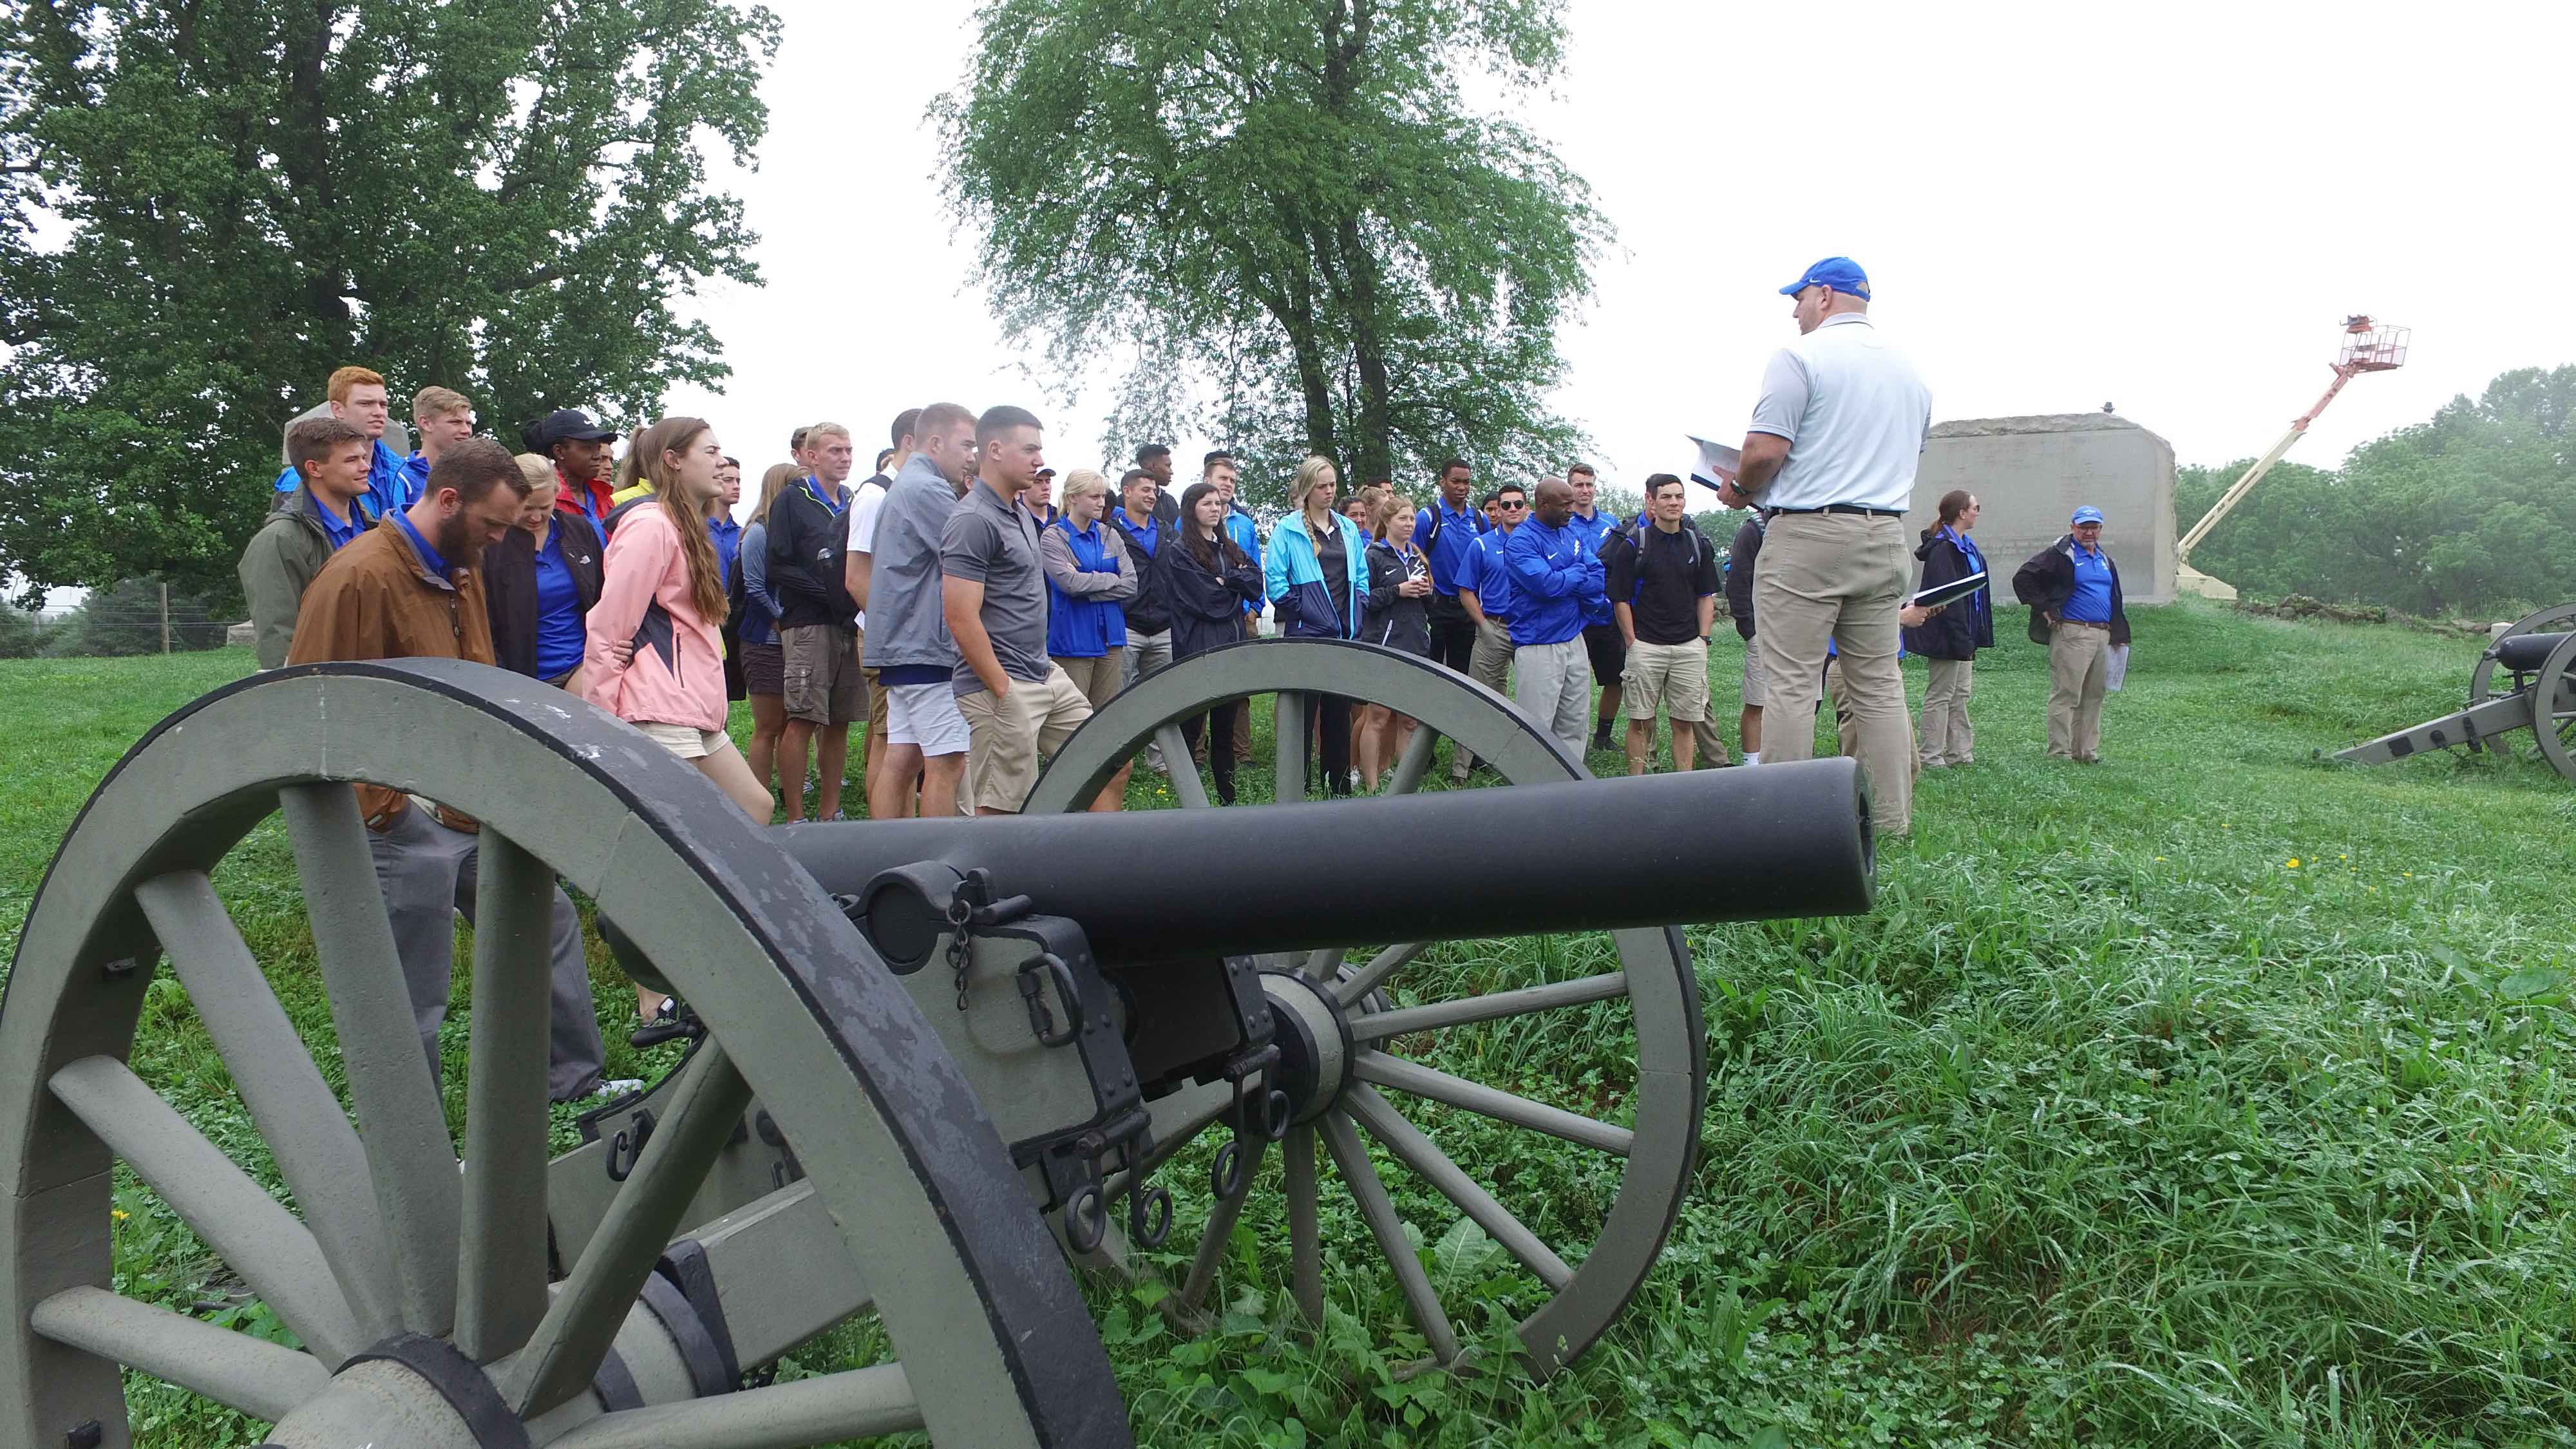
[1830, 460]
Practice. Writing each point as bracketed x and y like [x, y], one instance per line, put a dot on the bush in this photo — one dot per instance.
[22, 635]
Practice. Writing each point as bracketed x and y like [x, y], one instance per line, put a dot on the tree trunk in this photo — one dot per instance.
[1372, 450]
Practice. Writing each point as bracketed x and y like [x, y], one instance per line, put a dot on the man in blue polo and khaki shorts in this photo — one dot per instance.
[1829, 459]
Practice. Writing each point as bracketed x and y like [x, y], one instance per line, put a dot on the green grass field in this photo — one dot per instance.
[2211, 1096]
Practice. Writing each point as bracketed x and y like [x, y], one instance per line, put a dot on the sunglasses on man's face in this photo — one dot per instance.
[1513, 503]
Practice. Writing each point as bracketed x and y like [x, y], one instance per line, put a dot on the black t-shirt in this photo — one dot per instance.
[1334, 560]
[1662, 577]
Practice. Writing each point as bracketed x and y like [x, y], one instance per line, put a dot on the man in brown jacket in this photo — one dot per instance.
[407, 589]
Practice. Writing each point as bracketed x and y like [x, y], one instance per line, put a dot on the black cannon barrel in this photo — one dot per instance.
[1146, 885]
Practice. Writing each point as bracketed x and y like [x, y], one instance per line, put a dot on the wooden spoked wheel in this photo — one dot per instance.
[417, 1284]
[2553, 715]
[1546, 1092]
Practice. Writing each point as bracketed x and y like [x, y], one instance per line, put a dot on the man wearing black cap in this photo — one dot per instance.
[580, 451]
[1830, 459]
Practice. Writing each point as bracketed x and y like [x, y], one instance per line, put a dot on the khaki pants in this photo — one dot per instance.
[1009, 735]
[1097, 678]
[1837, 578]
[1670, 677]
[1491, 666]
[1944, 735]
[873, 749]
[2079, 661]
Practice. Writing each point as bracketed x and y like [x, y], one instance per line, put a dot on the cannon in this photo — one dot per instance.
[941, 1077]
[2524, 682]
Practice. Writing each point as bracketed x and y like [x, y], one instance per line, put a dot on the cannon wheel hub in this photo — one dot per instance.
[1313, 1034]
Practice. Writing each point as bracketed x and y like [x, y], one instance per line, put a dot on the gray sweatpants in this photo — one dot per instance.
[1556, 688]
[428, 874]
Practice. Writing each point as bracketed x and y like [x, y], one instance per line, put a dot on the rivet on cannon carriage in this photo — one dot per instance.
[2522, 699]
[942, 1074]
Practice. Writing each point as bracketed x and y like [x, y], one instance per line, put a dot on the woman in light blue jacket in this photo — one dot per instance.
[1317, 579]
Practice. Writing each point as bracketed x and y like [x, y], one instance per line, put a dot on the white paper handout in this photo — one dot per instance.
[1717, 462]
[2116, 672]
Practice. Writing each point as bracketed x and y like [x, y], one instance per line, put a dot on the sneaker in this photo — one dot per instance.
[1356, 788]
[615, 1087]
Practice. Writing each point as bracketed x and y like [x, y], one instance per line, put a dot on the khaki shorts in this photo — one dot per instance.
[1757, 681]
[1009, 735]
[1672, 676]
[686, 741]
[1096, 678]
[820, 668]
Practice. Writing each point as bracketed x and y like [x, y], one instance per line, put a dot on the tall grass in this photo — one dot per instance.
[2211, 1096]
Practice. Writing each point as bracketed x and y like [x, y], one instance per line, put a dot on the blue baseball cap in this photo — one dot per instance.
[1842, 274]
[2088, 514]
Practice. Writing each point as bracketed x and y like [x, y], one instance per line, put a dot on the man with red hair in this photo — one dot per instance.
[357, 396]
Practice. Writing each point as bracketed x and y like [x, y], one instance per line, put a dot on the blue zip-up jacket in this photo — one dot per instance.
[1247, 536]
[1088, 623]
[1450, 549]
[389, 486]
[1293, 569]
[1486, 577]
[1554, 577]
[1593, 530]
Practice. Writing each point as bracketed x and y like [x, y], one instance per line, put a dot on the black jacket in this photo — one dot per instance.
[1207, 608]
[806, 541]
[1965, 627]
[2047, 581]
[1149, 611]
[1392, 619]
[1739, 574]
[510, 585]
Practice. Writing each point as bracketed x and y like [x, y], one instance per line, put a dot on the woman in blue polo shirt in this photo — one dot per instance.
[539, 582]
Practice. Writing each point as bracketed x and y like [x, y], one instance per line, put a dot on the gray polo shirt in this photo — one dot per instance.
[907, 618]
[990, 541]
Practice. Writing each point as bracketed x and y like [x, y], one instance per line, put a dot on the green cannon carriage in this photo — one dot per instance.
[942, 1071]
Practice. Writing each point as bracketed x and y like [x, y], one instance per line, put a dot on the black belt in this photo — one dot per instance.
[1841, 508]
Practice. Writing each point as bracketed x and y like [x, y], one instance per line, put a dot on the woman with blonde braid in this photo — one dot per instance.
[1317, 578]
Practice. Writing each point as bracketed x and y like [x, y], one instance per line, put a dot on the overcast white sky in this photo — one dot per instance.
[2167, 207]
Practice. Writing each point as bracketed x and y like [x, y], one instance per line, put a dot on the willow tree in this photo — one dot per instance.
[1284, 216]
[207, 205]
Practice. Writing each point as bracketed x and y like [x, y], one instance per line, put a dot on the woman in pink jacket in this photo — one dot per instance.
[662, 598]
[662, 594]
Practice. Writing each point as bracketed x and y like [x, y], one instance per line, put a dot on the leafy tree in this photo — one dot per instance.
[1286, 217]
[236, 196]
[2467, 513]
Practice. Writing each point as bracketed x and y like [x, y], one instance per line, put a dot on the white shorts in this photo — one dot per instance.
[926, 715]
[686, 741]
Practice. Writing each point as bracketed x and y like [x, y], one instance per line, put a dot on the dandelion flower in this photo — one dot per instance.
[2294, 862]
[119, 1213]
